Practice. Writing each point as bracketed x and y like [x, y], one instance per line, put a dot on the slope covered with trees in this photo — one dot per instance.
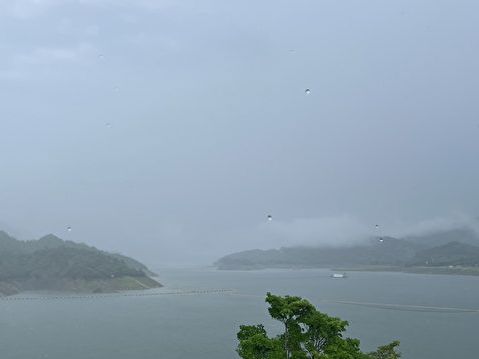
[51, 263]
[446, 248]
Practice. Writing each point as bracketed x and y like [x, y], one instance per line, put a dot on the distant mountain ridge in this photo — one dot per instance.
[437, 238]
[453, 247]
[449, 254]
[52, 263]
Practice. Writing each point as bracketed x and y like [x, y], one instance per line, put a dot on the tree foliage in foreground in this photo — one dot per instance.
[308, 334]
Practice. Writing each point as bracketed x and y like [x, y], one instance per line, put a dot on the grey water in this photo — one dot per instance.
[169, 325]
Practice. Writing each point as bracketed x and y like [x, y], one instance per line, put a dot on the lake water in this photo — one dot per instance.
[170, 326]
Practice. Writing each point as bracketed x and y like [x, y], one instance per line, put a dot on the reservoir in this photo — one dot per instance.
[198, 312]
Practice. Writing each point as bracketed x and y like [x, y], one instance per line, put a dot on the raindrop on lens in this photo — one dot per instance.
[307, 91]
[69, 229]
[270, 218]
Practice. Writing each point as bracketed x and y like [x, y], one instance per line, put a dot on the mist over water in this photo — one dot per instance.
[174, 134]
[169, 131]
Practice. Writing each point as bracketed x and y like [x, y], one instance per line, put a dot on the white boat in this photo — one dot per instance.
[338, 275]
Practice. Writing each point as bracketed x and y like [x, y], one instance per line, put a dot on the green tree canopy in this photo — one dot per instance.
[388, 351]
[308, 334]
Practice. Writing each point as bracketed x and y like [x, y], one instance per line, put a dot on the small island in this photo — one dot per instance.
[53, 264]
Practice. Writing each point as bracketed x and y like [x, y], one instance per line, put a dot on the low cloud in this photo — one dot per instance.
[438, 224]
[323, 231]
[344, 230]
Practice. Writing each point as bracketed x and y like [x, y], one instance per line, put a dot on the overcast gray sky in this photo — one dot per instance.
[169, 130]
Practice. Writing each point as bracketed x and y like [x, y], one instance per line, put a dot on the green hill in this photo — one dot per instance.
[439, 238]
[449, 254]
[52, 263]
[387, 252]
[458, 247]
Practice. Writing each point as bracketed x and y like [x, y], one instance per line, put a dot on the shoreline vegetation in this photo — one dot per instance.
[81, 286]
[52, 264]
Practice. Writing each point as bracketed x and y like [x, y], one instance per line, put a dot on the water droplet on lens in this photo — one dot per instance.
[270, 218]
[108, 124]
[307, 91]
[101, 56]
[116, 89]
[69, 229]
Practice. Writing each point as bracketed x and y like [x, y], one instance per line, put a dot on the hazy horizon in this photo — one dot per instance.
[170, 131]
[325, 232]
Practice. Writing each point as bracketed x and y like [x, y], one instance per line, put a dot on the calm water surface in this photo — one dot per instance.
[199, 326]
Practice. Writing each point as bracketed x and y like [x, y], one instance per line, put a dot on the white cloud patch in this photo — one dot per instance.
[323, 231]
[439, 224]
[47, 59]
[26, 9]
[55, 55]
